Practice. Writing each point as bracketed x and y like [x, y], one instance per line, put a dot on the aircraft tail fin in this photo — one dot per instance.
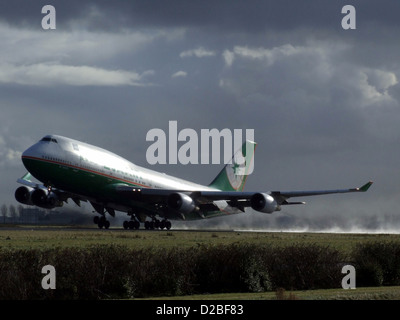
[233, 176]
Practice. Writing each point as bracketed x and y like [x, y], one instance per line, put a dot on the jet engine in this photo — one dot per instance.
[264, 203]
[181, 202]
[23, 195]
[44, 199]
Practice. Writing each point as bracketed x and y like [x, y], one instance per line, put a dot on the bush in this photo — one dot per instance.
[232, 268]
[305, 267]
[20, 274]
[377, 263]
[159, 272]
[98, 272]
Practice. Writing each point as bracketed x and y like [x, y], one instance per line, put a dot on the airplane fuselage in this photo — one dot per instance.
[87, 170]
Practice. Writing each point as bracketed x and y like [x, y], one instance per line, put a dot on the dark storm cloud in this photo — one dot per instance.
[239, 15]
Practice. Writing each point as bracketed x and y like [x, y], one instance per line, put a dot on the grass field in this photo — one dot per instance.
[25, 237]
[371, 293]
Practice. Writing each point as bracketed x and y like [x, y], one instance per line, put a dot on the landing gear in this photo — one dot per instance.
[165, 224]
[157, 224]
[132, 224]
[102, 222]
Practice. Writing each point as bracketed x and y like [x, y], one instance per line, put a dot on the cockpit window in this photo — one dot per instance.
[47, 139]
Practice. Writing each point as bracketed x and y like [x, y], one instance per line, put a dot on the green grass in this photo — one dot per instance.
[371, 293]
[43, 238]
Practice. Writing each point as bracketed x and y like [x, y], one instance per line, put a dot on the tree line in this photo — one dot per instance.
[10, 211]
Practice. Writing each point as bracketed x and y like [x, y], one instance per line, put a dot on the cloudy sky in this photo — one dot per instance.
[324, 102]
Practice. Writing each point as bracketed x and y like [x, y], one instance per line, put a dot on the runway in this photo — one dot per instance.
[111, 229]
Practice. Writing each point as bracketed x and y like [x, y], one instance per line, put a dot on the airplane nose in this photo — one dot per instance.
[29, 156]
[28, 153]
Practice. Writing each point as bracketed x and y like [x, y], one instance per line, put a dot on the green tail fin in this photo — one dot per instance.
[233, 176]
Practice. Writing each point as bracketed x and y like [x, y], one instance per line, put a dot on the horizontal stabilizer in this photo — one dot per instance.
[290, 203]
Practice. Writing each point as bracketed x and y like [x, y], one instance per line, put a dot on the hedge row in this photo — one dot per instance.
[119, 272]
[377, 264]
[102, 272]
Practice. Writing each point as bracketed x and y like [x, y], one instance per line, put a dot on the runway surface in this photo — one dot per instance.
[94, 229]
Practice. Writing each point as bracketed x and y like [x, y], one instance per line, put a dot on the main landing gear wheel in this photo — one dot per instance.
[101, 222]
[157, 224]
[132, 224]
[165, 224]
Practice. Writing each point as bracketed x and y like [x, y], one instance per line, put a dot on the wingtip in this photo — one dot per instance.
[27, 176]
[366, 186]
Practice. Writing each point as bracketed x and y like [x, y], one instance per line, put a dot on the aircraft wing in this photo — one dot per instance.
[26, 180]
[236, 198]
[284, 195]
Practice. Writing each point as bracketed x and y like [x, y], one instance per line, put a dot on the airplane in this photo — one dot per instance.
[71, 169]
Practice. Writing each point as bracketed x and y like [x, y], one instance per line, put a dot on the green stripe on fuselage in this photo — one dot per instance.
[90, 183]
[75, 179]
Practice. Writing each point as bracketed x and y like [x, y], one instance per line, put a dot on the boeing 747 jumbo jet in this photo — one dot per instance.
[70, 169]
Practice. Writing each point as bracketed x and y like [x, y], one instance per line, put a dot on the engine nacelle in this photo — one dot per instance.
[23, 195]
[43, 199]
[264, 203]
[181, 202]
